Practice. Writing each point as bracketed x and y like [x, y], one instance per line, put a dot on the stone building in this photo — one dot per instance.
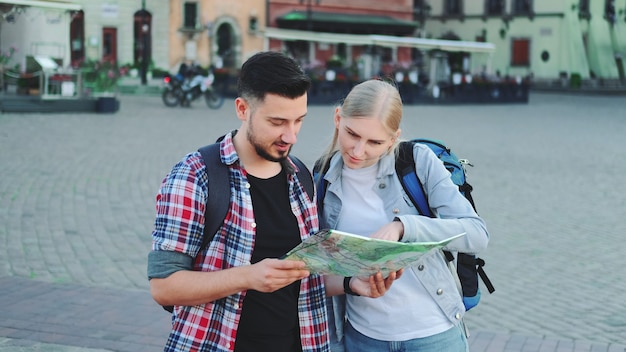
[219, 33]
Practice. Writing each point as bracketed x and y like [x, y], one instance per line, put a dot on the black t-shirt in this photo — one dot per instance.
[269, 321]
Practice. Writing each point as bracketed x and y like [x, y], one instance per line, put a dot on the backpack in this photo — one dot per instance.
[469, 267]
[218, 200]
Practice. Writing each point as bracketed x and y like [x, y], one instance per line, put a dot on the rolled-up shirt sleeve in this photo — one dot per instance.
[162, 264]
[179, 224]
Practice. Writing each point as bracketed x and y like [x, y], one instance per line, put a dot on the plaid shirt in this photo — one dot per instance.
[179, 227]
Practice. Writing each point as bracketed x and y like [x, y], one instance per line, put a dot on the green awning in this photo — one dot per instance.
[346, 23]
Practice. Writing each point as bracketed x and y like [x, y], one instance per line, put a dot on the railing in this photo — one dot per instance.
[48, 85]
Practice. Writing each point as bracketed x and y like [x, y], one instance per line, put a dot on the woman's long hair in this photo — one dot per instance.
[371, 98]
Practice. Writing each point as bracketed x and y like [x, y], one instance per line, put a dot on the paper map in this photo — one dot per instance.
[345, 254]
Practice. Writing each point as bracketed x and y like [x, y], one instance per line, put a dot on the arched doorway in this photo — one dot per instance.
[142, 34]
[77, 38]
[226, 45]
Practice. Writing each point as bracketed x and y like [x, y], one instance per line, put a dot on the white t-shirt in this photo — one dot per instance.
[391, 317]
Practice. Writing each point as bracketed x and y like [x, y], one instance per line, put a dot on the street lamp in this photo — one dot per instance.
[421, 12]
[309, 13]
[144, 38]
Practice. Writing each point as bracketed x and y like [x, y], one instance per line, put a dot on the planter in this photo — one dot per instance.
[107, 104]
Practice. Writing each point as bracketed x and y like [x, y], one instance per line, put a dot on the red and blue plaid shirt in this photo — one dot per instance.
[179, 227]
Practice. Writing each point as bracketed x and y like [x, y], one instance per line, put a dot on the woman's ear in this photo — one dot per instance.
[394, 139]
[398, 132]
[337, 117]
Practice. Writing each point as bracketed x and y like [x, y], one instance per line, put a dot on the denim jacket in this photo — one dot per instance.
[454, 215]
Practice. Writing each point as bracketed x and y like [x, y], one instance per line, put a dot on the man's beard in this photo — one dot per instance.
[262, 152]
[265, 155]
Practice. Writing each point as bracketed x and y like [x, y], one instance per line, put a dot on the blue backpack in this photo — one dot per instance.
[469, 267]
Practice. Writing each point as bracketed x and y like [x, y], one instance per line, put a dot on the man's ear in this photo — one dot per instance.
[242, 108]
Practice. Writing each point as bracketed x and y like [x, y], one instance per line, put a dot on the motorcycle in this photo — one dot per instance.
[180, 91]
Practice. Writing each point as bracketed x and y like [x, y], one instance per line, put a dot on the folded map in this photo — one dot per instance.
[346, 254]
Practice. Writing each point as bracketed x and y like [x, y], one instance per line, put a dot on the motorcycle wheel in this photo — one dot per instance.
[170, 98]
[213, 99]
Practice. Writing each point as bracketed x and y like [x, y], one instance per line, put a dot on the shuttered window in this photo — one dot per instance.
[520, 55]
[190, 14]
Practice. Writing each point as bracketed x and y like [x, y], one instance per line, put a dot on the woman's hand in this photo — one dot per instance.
[392, 231]
[375, 286]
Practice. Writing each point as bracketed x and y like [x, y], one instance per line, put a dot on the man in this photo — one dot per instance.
[269, 214]
[235, 294]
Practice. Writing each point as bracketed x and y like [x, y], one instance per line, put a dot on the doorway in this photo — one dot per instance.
[142, 29]
[226, 45]
[620, 69]
[77, 38]
[109, 44]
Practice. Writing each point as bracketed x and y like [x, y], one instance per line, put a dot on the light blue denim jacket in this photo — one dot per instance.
[454, 215]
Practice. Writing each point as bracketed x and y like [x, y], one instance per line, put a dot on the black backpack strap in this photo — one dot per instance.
[218, 197]
[319, 171]
[483, 275]
[304, 176]
[405, 168]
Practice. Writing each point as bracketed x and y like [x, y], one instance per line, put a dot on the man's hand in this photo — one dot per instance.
[189, 288]
[375, 286]
[270, 275]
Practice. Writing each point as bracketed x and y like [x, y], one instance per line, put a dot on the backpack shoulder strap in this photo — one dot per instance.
[304, 176]
[217, 202]
[319, 171]
[405, 168]
[217, 199]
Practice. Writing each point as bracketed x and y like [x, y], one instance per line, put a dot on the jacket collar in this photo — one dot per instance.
[386, 167]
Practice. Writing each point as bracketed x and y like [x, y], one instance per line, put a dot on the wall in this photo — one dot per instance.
[555, 28]
[213, 14]
[37, 31]
[120, 14]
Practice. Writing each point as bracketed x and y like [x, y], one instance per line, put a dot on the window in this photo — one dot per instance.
[452, 7]
[253, 24]
[520, 55]
[494, 7]
[583, 9]
[609, 11]
[522, 7]
[190, 15]
[583, 6]
[421, 10]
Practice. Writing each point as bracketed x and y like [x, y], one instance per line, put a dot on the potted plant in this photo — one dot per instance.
[5, 58]
[101, 80]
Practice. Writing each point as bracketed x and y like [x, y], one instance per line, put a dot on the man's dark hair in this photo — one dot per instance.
[272, 72]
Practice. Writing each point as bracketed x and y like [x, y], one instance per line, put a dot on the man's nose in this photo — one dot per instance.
[290, 135]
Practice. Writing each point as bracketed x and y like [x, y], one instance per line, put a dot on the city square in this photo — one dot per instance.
[77, 196]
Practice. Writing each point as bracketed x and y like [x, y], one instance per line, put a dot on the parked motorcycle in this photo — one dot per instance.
[180, 91]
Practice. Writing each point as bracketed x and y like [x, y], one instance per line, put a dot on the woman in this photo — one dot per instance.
[423, 310]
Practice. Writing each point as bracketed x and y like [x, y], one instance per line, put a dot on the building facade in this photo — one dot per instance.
[124, 31]
[28, 31]
[218, 33]
[70, 32]
[347, 17]
[548, 40]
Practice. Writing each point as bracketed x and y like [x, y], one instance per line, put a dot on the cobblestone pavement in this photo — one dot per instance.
[77, 206]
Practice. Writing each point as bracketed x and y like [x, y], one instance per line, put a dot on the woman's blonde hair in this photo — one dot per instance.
[370, 98]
